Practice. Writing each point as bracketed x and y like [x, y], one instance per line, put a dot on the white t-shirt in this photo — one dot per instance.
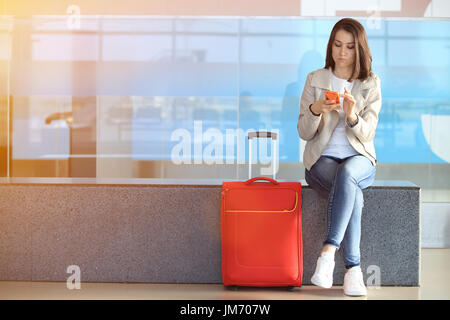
[338, 146]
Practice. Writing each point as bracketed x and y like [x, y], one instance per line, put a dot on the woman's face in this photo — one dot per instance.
[343, 49]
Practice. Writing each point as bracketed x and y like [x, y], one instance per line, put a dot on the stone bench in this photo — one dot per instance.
[168, 231]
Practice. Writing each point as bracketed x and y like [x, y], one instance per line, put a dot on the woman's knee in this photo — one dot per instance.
[356, 169]
[346, 173]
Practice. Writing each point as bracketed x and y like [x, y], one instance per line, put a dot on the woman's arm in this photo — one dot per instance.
[364, 129]
[307, 122]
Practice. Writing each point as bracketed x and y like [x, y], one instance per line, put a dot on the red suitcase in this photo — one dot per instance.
[261, 230]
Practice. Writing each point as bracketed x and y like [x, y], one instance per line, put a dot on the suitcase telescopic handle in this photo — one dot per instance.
[262, 134]
[261, 178]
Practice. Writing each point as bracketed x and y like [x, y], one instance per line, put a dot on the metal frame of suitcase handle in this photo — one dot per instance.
[263, 134]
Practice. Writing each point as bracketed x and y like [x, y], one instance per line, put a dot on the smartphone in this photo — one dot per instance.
[332, 95]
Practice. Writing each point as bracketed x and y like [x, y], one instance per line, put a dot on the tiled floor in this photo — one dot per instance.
[435, 284]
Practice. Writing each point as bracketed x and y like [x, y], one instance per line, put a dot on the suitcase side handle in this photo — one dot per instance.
[261, 178]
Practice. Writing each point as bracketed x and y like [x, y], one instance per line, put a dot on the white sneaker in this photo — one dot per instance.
[354, 282]
[323, 276]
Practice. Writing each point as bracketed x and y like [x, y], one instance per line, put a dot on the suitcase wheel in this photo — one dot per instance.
[291, 288]
[232, 288]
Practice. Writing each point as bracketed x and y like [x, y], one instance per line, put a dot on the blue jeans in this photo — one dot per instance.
[341, 181]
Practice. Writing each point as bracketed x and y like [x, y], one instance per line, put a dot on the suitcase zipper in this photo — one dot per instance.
[283, 211]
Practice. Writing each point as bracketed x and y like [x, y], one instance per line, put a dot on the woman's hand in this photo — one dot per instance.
[324, 106]
[349, 106]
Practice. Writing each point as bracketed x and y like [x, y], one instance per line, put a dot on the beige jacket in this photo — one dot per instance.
[317, 130]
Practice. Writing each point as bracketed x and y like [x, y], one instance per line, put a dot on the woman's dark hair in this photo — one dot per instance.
[363, 58]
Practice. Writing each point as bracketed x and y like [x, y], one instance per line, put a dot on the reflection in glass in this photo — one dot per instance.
[124, 95]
